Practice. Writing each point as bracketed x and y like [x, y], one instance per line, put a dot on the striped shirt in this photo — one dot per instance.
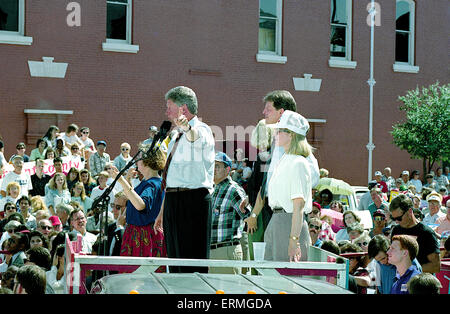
[227, 218]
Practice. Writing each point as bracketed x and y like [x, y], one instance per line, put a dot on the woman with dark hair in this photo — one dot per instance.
[39, 151]
[143, 206]
[37, 238]
[88, 182]
[326, 198]
[349, 218]
[73, 176]
[51, 135]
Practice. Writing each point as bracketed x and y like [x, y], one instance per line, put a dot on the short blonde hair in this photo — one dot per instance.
[37, 203]
[10, 185]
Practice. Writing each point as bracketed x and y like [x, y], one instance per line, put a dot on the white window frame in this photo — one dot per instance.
[407, 67]
[17, 38]
[270, 56]
[121, 45]
[344, 62]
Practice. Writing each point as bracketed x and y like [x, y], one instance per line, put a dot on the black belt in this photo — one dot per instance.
[177, 189]
[278, 210]
[223, 244]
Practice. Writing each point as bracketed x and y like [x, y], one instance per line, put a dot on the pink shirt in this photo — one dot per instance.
[444, 224]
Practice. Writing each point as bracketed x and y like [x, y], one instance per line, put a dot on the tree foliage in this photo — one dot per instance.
[426, 132]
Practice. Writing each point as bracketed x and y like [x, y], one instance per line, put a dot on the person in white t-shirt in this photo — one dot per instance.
[289, 190]
[19, 176]
[71, 137]
[77, 220]
[89, 146]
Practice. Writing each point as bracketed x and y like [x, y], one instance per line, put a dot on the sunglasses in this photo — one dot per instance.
[10, 207]
[315, 212]
[125, 149]
[362, 244]
[399, 218]
[46, 227]
[378, 218]
[84, 132]
[314, 226]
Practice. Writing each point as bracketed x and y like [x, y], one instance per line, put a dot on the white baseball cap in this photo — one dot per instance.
[294, 122]
[378, 173]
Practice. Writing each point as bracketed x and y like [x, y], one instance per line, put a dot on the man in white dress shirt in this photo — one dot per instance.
[185, 216]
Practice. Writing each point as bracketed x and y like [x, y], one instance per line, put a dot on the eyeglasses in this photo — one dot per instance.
[399, 218]
[311, 226]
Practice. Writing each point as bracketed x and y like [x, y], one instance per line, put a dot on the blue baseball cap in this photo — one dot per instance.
[222, 157]
[101, 143]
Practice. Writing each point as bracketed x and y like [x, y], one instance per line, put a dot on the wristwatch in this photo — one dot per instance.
[254, 215]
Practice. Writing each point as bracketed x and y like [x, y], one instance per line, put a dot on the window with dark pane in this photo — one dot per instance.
[267, 25]
[9, 15]
[402, 31]
[339, 24]
[116, 19]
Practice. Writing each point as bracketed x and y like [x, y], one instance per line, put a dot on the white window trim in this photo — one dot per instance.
[340, 62]
[405, 68]
[47, 111]
[270, 56]
[17, 38]
[408, 67]
[118, 45]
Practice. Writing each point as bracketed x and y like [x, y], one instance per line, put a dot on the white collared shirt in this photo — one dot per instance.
[192, 164]
[291, 179]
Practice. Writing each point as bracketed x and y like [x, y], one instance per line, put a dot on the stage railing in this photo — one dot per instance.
[78, 264]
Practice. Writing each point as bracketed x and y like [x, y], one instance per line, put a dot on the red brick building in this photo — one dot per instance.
[115, 60]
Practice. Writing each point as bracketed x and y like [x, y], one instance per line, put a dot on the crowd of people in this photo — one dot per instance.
[171, 203]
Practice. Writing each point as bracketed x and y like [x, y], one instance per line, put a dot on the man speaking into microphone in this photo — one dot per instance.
[185, 216]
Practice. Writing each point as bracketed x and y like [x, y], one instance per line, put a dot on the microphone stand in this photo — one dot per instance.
[102, 201]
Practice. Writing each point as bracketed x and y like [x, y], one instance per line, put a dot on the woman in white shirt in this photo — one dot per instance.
[57, 192]
[290, 191]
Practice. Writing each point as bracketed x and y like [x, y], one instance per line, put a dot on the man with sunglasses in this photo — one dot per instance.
[314, 227]
[45, 227]
[401, 209]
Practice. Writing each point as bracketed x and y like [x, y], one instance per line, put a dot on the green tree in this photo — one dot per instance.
[425, 134]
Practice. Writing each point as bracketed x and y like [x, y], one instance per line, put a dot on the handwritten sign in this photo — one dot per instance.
[30, 167]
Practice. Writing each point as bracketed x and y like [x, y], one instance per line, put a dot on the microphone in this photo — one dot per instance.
[159, 137]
